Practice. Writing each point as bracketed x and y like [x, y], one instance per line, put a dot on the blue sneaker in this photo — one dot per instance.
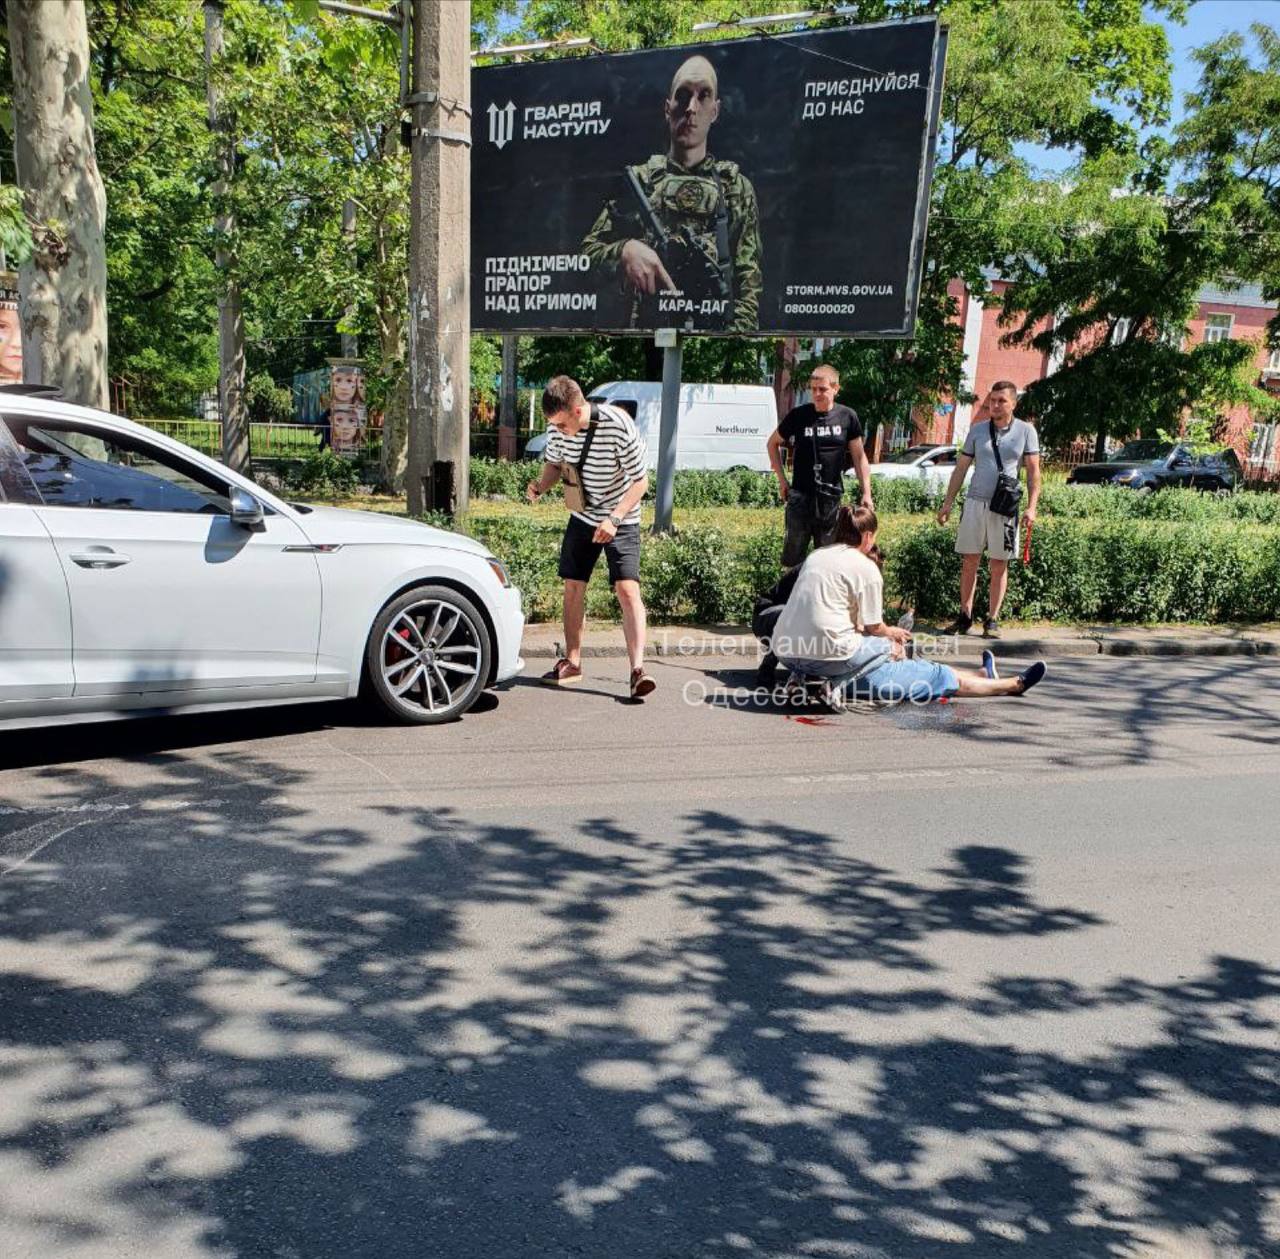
[1030, 676]
[989, 665]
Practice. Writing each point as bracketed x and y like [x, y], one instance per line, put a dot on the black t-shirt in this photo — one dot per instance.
[833, 430]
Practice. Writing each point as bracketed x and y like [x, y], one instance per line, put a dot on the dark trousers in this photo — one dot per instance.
[805, 523]
[762, 626]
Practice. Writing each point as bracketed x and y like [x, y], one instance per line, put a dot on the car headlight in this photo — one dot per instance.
[1131, 475]
[499, 571]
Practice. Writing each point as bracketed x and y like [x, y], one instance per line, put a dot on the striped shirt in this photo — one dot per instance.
[617, 459]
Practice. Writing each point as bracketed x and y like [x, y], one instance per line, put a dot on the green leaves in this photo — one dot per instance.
[15, 231]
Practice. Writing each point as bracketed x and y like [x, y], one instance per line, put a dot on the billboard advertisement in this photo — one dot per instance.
[766, 186]
[10, 331]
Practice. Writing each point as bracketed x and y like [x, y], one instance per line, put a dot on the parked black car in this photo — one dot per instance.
[1146, 465]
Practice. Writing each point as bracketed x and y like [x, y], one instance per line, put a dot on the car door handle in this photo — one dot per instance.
[104, 558]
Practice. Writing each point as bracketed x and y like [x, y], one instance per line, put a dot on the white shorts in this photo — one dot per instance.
[981, 529]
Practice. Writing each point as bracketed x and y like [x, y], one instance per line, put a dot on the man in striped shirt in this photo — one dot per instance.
[600, 446]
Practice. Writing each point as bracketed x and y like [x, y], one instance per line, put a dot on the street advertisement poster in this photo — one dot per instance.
[764, 186]
[10, 331]
[348, 417]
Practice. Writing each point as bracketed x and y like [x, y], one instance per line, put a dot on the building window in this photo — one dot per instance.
[1273, 363]
[1120, 333]
[1218, 327]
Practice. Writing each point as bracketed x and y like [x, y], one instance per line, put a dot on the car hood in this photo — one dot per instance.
[361, 528]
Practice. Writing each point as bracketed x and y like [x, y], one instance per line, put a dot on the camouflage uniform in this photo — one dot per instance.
[688, 198]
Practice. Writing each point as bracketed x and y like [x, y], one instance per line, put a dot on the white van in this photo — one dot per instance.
[720, 426]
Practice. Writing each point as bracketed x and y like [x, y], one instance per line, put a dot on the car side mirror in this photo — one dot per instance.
[926, 463]
[246, 511]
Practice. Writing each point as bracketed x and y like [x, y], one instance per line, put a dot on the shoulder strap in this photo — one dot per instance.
[592, 425]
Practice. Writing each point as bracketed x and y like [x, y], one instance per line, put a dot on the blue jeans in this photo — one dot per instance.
[918, 680]
[870, 650]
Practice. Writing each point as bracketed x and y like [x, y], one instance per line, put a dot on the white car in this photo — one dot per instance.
[138, 576]
[932, 465]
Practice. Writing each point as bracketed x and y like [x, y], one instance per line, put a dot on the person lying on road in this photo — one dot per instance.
[817, 633]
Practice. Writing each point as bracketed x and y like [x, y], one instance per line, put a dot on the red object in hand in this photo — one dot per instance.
[1026, 544]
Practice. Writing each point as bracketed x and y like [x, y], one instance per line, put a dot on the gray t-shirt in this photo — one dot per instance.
[1017, 440]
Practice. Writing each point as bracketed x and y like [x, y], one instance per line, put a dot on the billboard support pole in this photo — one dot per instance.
[668, 339]
[508, 420]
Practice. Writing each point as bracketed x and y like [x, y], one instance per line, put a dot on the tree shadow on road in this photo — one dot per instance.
[232, 1029]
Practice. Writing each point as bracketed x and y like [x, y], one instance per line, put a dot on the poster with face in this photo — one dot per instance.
[10, 331]
[347, 414]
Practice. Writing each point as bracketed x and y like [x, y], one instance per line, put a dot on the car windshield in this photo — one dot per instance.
[910, 455]
[1144, 451]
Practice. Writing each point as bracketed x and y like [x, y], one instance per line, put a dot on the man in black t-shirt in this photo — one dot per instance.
[825, 437]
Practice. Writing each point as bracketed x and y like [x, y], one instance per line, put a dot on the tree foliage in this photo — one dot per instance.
[315, 100]
[1115, 254]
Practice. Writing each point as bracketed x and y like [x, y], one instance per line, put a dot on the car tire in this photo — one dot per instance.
[442, 667]
[1144, 490]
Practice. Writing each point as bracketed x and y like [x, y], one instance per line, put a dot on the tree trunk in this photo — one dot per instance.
[395, 411]
[231, 367]
[63, 286]
[1100, 446]
[350, 344]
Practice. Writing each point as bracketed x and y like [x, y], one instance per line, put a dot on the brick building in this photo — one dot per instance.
[1242, 314]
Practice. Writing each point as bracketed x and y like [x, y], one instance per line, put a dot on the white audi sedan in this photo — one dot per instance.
[138, 576]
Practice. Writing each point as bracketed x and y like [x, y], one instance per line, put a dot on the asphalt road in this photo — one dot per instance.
[579, 978]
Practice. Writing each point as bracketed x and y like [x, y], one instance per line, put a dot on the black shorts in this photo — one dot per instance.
[578, 553]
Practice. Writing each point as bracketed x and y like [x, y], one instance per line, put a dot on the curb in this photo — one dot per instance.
[689, 645]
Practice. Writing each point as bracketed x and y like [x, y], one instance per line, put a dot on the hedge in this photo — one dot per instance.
[1081, 571]
[491, 478]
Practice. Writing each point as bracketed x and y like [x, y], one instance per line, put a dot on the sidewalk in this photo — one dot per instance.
[545, 641]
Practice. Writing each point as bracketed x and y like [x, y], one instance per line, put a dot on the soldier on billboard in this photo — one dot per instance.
[685, 221]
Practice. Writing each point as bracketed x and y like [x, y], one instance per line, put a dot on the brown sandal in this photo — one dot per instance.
[562, 673]
[641, 684]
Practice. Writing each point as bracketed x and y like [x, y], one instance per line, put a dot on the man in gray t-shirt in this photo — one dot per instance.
[981, 528]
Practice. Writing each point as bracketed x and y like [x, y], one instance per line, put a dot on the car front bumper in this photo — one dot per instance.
[509, 630]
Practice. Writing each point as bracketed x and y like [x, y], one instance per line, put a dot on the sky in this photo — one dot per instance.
[1205, 22]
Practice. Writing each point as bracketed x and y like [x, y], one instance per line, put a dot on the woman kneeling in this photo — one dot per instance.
[817, 635]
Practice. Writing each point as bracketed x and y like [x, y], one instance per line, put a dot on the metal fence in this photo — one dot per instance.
[266, 441]
[297, 441]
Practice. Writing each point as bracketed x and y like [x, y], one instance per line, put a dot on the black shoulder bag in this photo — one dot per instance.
[1007, 498]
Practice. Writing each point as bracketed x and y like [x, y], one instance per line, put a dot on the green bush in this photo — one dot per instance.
[323, 472]
[1121, 571]
[501, 478]
[901, 496]
[495, 478]
[267, 402]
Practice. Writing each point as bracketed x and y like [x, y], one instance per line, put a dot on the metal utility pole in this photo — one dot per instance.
[668, 340]
[235, 418]
[508, 420]
[440, 258]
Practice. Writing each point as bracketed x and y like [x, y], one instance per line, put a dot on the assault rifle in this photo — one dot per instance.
[690, 262]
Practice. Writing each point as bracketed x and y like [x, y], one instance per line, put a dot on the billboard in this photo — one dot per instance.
[762, 186]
